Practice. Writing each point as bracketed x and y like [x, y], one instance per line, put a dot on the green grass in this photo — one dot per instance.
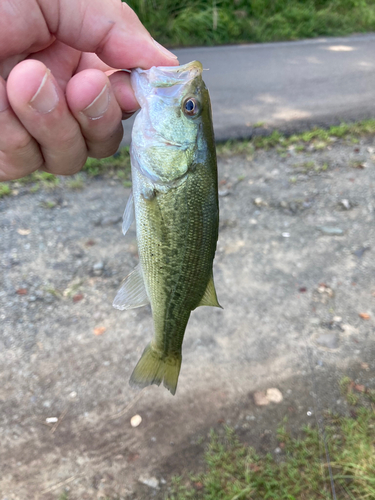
[235, 471]
[76, 182]
[317, 138]
[119, 162]
[201, 22]
[4, 189]
[117, 166]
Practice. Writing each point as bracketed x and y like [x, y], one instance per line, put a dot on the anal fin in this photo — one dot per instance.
[209, 297]
[132, 293]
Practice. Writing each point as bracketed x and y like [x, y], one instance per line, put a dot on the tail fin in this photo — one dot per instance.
[152, 368]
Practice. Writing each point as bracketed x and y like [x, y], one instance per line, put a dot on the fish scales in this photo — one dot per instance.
[175, 196]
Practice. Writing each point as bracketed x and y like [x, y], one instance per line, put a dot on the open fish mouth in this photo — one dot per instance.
[167, 76]
[164, 80]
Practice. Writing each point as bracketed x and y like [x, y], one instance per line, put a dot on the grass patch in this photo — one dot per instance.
[76, 182]
[310, 167]
[119, 163]
[5, 189]
[315, 139]
[181, 23]
[235, 471]
[38, 180]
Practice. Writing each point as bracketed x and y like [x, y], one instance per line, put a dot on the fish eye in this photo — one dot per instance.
[190, 106]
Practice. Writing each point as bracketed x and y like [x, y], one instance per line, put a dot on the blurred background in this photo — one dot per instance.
[180, 24]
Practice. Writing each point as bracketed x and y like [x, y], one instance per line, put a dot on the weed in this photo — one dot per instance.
[235, 471]
[316, 138]
[49, 204]
[53, 291]
[35, 187]
[4, 189]
[47, 180]
[116, 163]
[310, 167]
[76, 182]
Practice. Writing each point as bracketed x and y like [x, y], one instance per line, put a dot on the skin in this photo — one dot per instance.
[61, 98]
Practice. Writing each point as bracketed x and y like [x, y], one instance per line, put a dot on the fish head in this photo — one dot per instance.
[166, 132]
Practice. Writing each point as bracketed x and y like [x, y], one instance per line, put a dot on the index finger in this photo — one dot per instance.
[109, 28]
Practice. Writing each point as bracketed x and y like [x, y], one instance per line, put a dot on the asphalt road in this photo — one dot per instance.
[286, 85]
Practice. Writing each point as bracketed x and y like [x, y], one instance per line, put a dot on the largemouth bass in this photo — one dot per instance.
[175, 204]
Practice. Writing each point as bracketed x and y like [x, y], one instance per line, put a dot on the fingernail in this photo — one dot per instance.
[164, 50]
[99, 105]
[46, 97]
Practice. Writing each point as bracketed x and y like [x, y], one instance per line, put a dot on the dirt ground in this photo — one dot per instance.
[294, 271]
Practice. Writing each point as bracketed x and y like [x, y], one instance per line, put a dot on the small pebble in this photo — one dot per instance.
[346, 204]
[109, 221]
[224, 192]
[135, 420]
[274, 395]
[259, 202]
[152, 482]
[98, 266]
[331, 231]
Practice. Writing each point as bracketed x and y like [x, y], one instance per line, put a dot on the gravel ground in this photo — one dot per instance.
[294, 272]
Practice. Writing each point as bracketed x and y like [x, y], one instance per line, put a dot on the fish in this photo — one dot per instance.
[174, 203]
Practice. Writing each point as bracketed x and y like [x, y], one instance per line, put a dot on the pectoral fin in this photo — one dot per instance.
[128, 217]
[209, 297]
[132, 293]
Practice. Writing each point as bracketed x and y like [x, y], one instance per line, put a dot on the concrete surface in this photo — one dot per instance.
[293, 271]
[287, 85]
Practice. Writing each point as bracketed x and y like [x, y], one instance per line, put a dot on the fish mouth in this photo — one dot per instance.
[167, 76]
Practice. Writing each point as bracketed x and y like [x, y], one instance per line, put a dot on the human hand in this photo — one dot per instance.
[61, 99]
